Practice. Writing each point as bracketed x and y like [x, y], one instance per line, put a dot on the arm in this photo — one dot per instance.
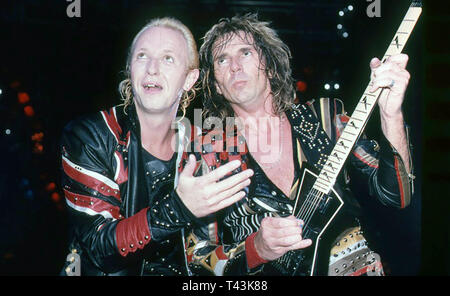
[386, 165]
[92, 196]
[393, 76]
[100, 232]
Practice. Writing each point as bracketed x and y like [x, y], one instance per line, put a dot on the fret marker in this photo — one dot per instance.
[343, 145]
[336, 155]
[396, 41]
[364, 100]
[331, 166]
[353, 124]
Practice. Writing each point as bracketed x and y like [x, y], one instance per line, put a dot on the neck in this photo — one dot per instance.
[157, 134]
[250, 114]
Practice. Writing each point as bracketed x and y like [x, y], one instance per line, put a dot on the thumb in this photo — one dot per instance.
[189, 168]
[374, 63]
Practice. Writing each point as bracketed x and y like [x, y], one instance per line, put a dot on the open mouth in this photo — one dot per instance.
[152, 86]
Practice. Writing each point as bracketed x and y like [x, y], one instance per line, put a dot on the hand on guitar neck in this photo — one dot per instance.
[393, 76]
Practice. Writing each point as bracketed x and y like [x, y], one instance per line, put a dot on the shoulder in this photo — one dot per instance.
[99, 125]
[92, 134]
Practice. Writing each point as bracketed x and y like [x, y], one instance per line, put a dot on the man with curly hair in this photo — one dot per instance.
[246, 76]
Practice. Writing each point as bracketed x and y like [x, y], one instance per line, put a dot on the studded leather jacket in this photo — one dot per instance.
[224, 244]
[117, 227]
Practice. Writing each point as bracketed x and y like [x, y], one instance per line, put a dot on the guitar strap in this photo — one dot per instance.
[308, 131]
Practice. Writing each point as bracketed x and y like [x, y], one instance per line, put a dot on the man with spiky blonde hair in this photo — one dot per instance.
[127, 203]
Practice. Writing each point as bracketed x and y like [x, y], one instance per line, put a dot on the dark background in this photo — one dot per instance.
[72, 66]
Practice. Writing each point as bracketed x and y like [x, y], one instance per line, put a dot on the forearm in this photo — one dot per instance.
[393, 128]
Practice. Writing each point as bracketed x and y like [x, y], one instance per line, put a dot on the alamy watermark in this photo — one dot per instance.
[266, 143]
[74, 267]
[74, 8]
[374, 8]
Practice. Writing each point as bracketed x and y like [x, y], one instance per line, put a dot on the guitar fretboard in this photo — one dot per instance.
[364, 108]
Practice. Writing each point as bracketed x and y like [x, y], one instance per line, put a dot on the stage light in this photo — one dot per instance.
[336, 86]
[339, 26]
[350, 7]
[56, 197]
[345, 34]
[37, 137]
[38, 148]
[23, 97]
[1, 91]
[301, 86]
[7, 131]
[326, 86]
[29, 111]
[341, 13]
[50, 186]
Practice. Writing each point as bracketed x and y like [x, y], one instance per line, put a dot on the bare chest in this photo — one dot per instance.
[278, 165]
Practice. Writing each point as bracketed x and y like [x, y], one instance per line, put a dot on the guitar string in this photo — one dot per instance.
[309, 210]
[307, 205]
[304, 206]
[314, 207]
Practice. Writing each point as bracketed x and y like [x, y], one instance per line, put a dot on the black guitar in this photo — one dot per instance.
[318, 203]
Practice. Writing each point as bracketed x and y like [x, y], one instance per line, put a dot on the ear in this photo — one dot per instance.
[191, 78]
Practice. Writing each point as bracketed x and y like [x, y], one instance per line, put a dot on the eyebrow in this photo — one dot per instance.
[241, 50]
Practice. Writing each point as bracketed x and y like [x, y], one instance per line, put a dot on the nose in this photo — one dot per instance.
[152, 67]
[235, 64]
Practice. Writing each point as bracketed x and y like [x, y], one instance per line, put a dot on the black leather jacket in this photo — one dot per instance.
[223, 245]
[114, 227]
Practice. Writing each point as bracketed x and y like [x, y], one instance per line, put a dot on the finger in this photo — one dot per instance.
[288, 241]
[399, 59]
[230, 182]
[391, 69]
[288, 231]
[386, 81]
[189, 168]
[221, 171]
[222, 196]
[282, 222]
[374, 63]
[227, 202]
[300, 245]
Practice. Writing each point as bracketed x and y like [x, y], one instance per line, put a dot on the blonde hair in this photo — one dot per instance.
[125, 87]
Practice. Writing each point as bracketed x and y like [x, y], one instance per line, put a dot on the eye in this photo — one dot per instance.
[247, 53]
[141, 55]
[168, 59]
[221, 61]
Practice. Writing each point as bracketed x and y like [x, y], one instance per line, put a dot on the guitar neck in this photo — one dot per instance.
[358, 120]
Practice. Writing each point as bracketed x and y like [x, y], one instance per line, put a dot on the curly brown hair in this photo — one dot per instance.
[125, 87]
[272, 51]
